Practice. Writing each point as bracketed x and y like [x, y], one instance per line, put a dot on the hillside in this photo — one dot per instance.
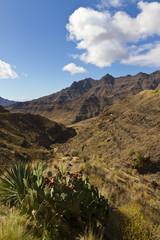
[3, 110]
[123, 129]
[5, 102]
[29, 137]
[87, 98]
[119, 151]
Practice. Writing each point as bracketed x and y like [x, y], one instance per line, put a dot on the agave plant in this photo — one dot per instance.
[12, 188]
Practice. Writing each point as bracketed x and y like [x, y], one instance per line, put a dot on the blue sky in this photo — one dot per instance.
[45, 45]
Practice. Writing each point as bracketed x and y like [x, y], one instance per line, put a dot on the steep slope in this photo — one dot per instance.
[2, 110]
[5, 102]
[87, 98]
[122, 130]
[28, 137]
[158, 88]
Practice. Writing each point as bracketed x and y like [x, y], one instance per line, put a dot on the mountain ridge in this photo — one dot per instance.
[88, 97]
[5, 102]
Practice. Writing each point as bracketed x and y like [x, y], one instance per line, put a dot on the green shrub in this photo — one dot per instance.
[132, 224]
[156, 91]
[74, 198]
[131, 153]
[139, 161]
[71, 196]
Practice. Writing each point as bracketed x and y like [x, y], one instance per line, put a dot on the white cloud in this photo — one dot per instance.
[107, 3]
[150, 58]
[21, 99]
[73, 69]
[105, 38]
[6, 71]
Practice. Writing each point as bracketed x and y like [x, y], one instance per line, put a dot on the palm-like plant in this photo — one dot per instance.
[12, 188]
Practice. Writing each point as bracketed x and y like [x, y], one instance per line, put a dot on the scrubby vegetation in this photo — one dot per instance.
[61, 206]
[117, 153]
[139, 161]
[39, 204]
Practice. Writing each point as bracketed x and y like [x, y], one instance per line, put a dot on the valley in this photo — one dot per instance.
[111, 135]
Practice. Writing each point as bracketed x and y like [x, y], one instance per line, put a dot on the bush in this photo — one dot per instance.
[139, 161]
[71, 196]
[60, 204]
[132, 224]
[131, 153]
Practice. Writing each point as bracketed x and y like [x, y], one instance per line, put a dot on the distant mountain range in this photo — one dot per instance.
[6, 102]
[87, 98]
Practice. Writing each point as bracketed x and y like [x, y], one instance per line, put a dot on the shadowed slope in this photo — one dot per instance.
[27, 136]
[3, 110]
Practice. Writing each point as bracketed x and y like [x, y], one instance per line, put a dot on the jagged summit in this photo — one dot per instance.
[88, 97]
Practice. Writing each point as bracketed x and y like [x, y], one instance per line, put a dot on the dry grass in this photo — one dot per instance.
[96, 180]
[13, 226]
[134, 224]
[90, 235]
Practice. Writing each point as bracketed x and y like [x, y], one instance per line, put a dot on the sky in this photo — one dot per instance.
[46, 45]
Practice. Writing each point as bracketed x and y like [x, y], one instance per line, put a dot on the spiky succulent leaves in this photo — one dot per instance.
[61, 168]
[12, 187]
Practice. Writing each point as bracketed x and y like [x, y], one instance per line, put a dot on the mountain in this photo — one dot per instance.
[87, 98]
[3, 110]
[29, 137]
[120, 153]
[121, 131]
[6, 102]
